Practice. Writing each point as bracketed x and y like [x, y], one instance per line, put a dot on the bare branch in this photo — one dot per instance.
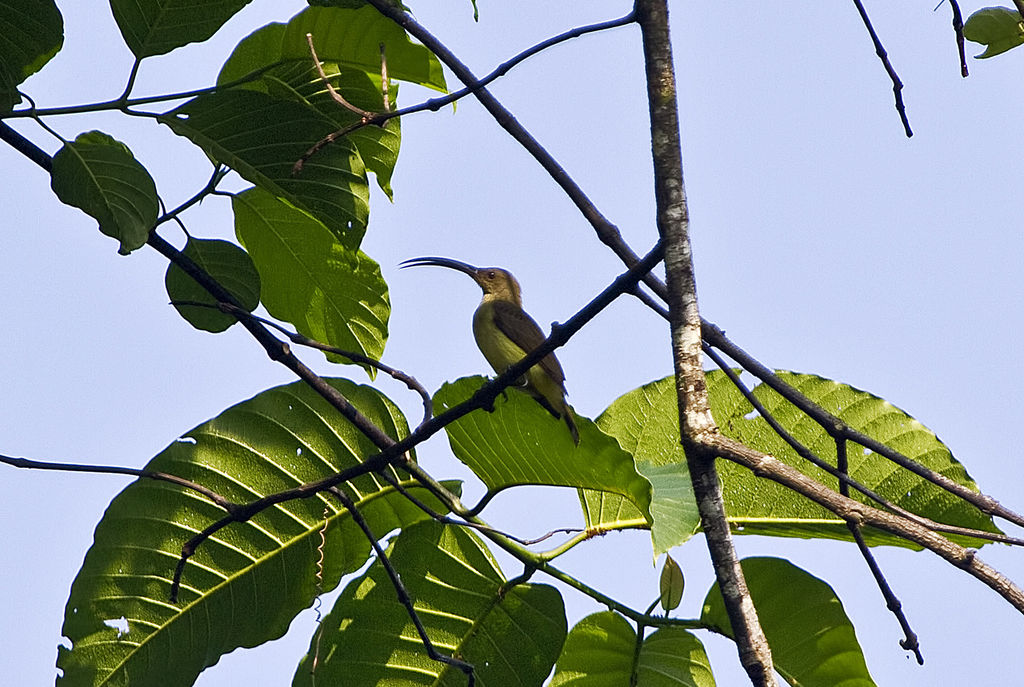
[897, 85]
[335, 96]
[958, 31]
[118, 470]
[892, 602]
[696, 424]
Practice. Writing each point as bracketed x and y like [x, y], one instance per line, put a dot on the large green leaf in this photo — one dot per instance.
[651, 436]
[296, 78]
[510, 636]
[155, 27]
[244, 585]
[230, 266]
[99, 175]
[261, 137]
[350, 37]
[521, 443]
[32, 32]
[331, 293]
[600, 651]
[759, 506]
[997, 28]
[812, 640]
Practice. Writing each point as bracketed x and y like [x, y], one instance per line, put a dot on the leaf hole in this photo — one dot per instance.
[186, 440]
[119, 624]
[751, 415]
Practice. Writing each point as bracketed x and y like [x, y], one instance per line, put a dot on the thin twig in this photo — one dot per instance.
[124, 105]
[219, 172]
[897, 85]
[141, 473]
[471, 87]
[302, 340]
[892, 602]
[958, 31]
[335, 96]
[479, 526]
[384, 78]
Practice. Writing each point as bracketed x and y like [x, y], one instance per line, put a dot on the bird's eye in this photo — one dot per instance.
[490, 274]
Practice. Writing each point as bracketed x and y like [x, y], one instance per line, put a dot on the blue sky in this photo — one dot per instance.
[825, 241]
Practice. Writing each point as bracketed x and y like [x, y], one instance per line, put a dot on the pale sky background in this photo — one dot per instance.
[825, 242]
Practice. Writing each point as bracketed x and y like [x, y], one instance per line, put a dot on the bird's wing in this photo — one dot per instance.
[514, 323]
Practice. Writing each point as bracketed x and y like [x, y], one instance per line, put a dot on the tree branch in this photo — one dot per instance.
[697, 427]
[897, 85]
[966, 559]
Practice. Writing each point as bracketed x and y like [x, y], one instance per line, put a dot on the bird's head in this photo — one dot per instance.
[497, 284]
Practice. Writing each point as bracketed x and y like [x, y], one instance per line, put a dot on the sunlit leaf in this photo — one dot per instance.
[600, 651]
[671, 584]
[350, 37]
[332, 294]
[812, 640]
[521, 443]
[759, 506]
[997, 28]
[510, 635]
[645, 422]
[286, 71]
[245, 584]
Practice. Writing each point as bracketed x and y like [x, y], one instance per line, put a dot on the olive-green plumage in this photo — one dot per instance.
[505, 334]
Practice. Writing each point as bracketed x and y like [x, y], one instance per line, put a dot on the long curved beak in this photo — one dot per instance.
[463, 267]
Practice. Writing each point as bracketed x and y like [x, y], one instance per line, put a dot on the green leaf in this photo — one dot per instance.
[510, 635]
[998, 28]
[33, 32]
[281, 55]
[521, 443]
[812, 640]
[349, 37]
[599, 652]
[155, 27]
[230, 266]
[331, 293]
[671, 584]
[642, 422]
[645, 422]
[245, 584]
[261, 138]
[99, 175]
[760, 506]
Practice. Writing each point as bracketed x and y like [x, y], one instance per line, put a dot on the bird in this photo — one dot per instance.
[505, 334]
